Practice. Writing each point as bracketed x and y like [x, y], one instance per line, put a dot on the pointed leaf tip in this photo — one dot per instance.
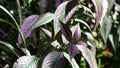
[66, 31]
[76, 33]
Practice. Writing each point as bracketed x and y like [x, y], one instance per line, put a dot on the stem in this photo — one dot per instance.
[38, 40]
[19, 11]
[19, 30]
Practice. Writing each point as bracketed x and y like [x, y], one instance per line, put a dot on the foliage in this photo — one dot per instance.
[59, 34]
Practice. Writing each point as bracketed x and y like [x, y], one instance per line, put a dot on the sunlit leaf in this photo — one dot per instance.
[88, 55]
[26, 62]
[99, 10]
[72, 50]
[53, 60]
[118, 31]
[33, 22]
[43, 19]
[59, 15]
[105, 28]
[112, 42]
[8, 47]
[71, 60]
[27, 27]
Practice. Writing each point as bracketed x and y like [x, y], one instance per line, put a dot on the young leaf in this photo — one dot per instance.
[88, 55]
[105, 28]
[53, 60]
[26, 27]
[99, 10]
[43, 19]
[72, 50]
[59, 15]
[76, 33]
[66, 31]
[8, 47]
[71, 60]
[26, 62]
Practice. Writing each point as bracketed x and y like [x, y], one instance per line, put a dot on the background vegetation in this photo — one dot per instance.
[59, 33]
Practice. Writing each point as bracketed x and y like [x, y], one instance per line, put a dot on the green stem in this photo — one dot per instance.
[19, 30]
[19, 11]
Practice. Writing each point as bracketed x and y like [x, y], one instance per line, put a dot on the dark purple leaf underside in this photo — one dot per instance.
[88, 55]
[99, 10]
[77, 33]
[72, 50]
[26, 27]
[66, 31]
[54, 60]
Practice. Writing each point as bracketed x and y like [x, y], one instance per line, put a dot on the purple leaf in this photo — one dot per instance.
[53, 60]
[59, 15]
[26, 27]
[88, 55]
[72, 50]
[76, 33]
[66, 31]
[99, 10]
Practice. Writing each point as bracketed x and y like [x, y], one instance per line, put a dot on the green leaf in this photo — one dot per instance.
[105, 9]
[112, 42]
[8, 47]
[105, 28]
[71, 60]
[47, 32]
[118, 31]
[43, 19]
[59, 15]
[26, 62]
[88, 55]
